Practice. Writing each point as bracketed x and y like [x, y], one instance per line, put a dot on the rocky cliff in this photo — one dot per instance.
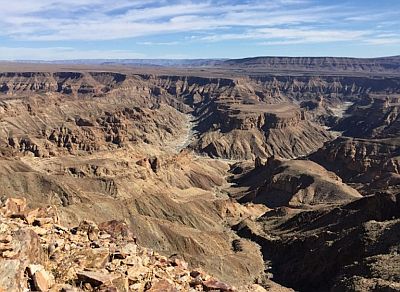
[373, 117]
[211, 100]
[236, 130]
[372, 164]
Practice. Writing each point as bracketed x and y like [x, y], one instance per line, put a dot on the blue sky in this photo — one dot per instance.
[89, 29]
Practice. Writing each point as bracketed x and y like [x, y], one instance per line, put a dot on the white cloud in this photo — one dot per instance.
[62, 20]
[286, 36]
[159, 43]
[272, 22]
[313, 35]
[384, 41]
[63, 53]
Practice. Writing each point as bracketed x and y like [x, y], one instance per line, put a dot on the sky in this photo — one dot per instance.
[181, 29]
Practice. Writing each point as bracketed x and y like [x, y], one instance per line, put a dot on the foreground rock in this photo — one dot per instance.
[45, 256]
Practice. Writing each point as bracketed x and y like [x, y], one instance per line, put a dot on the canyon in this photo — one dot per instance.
[265, 173]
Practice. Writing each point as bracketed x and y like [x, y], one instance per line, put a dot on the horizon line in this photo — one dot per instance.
[196, 59]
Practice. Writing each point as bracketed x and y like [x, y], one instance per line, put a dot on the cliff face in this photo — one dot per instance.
[236, 129]
[374, 164]
[377, 117]
[319, 64]
[290, 183]
[369, 155]
[352, 247]
[63, 82]
[234, 107]
[190, 86]
[81, 126]
[301, 88]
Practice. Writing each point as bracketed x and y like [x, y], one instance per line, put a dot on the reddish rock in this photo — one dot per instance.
[26, 249]
[13, 206]
[114, 263]
[196, 273]
[90, 228]
[117, 229]
[41, 279]
[107, 289]
[128, 249]
[213, 284]
[179, 263]
[162, 286]
[96, 278]
[39, 216]
[30, 216]
[117, 285]
[43, 221]
[95, 258]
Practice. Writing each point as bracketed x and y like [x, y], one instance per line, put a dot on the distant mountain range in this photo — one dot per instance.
[136, 62]
[388, 65]
[335, 64]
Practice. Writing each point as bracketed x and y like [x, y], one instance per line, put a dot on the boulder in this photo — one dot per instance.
[90, 228]
[96, 258]
[25, 249]
[162, 286]
[42, 280]
[117, 229]
[213, 284]
[13, 206]
[96, 279]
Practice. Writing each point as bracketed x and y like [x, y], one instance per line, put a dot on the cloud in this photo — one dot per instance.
[384, 41]
[314, 35]
[134, 23]
[290, 36]
[63, 53]
[159, 43]
[94, 20]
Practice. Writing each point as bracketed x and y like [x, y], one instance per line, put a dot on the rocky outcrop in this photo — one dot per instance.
[90, 131]
[12, 82]
[373, 164]
[75, 83]
[194, 89]
[242, 131]
[179, 207]
[294, 183]
[44, 255]
[377, 118]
